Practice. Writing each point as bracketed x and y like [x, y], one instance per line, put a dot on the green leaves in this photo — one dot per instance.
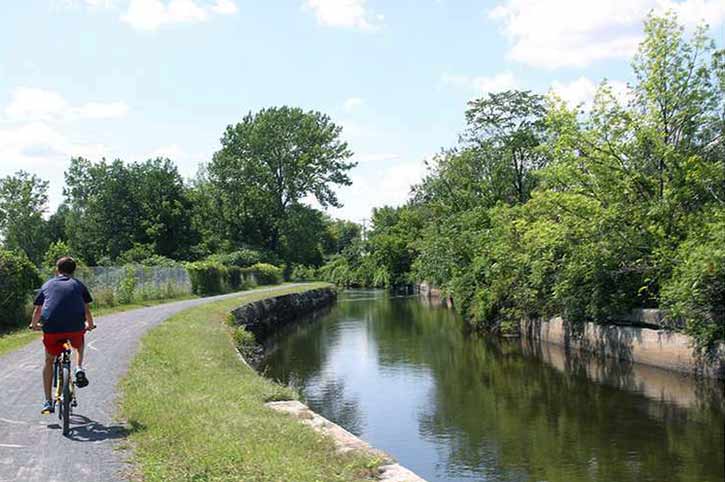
[18, 277]
[268, 163]
[23, 201]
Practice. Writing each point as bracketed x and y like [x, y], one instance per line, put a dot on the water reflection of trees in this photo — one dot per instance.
[495, 410]
[297, 356]
[507, 413]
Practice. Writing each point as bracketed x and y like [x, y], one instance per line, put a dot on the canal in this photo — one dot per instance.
[405, 377]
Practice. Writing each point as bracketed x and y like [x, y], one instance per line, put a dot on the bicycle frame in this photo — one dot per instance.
[61, 362]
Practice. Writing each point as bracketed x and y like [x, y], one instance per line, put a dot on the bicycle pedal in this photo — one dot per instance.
[74, 403]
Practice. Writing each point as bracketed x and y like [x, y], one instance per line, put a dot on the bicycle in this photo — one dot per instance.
[64, 387]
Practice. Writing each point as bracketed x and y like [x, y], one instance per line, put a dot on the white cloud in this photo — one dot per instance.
[41, 149]
[353, 103]
[481, 85]
[564, 33]
[172, 151]
[376, 157]
[345, 14]
[99, 110]
[375, 186]
[580, 92]
[225, 7]
[31, 104]
[35, 104]
[152, 14]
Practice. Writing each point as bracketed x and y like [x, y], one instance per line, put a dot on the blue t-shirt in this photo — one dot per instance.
[63, 299]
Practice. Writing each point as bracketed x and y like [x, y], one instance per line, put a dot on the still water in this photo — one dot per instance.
[406, 377]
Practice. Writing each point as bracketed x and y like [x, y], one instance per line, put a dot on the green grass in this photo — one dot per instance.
[15, 338]
[197, 412]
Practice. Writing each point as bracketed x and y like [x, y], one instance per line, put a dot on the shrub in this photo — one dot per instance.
[158, 260]
[695, 292]
[18, 276]
[104, 297]
[127, 287]
[208, 277]
[235, 278]
[244, 340]
[266, 274]
[138, 253]
[242, 258]
[304, 273]
[56, 251]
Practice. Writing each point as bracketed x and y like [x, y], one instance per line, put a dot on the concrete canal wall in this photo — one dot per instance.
[656, 347]
[266, 316]
[641, 338]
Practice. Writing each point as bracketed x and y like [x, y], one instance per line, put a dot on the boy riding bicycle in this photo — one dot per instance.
[62, 304]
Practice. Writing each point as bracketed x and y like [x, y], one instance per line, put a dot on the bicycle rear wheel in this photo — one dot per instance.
[57, 389]
[66, 400]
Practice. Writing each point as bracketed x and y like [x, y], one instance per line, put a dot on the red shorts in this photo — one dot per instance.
[54, 341]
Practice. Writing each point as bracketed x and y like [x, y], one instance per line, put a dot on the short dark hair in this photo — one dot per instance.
[66, 265]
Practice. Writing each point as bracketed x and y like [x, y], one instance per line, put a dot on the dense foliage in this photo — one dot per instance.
[212, 277]
[18, 276]
[586, 212]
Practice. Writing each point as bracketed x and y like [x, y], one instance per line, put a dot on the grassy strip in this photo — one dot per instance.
[196, 412]
[21, 336]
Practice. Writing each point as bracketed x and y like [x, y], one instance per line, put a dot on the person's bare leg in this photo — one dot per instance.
[48, 375]
[79, 355]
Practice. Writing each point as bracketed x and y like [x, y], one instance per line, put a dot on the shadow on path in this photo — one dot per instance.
[83, 429]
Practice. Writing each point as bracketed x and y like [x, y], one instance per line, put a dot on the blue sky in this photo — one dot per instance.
[140, 78]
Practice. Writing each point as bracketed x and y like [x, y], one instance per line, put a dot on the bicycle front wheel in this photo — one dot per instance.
[66, 400]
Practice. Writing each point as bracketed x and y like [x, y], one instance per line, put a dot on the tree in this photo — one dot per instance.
[268, 163]
[340, 234]
[23, 201]
[677, 93]
[113, 207]
[507, 129]
[164, 208]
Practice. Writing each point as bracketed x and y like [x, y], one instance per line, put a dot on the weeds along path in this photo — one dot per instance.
[32, 447]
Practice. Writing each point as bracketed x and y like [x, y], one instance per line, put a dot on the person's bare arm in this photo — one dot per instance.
[35, 321]
[90, 325]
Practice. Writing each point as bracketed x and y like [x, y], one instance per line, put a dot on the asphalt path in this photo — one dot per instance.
[32, 447]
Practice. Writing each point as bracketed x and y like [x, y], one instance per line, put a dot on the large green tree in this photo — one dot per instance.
[113, 207]
[23, 201]
[269, 162]
[506, 130]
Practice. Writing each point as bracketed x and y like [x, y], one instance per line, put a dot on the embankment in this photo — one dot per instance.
[264, 317]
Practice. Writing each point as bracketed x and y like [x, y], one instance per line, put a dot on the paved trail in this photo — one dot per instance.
[32, 447]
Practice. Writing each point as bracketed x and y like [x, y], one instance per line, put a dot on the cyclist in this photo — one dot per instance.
[62, 304]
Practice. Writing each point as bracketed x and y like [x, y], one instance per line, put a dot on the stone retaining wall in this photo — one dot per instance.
[264, 317]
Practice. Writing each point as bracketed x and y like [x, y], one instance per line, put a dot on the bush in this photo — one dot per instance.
[208, 277]
[244, 340]
[104, 297]
[695, 292]
[137, 254]
[158, 260]
[243, 258]
[126, 289]
[304, 273]
[56, 251]
[18, 276]
[266, 274]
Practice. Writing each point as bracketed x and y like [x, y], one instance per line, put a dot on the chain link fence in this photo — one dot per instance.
[115, 285]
